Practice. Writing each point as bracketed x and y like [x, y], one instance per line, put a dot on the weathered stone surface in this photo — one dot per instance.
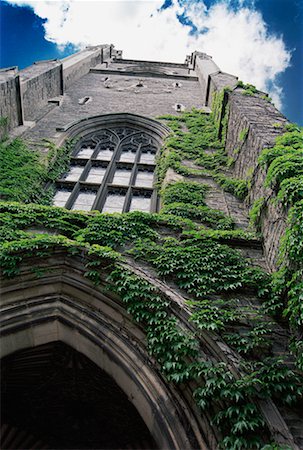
[10, 99]
[78, 65]
[253, 125]
[37, 86]
[64, 305]
[120, 94]
[24, 95]
[217, 82]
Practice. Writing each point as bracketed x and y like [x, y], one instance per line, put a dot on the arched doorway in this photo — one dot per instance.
[63, 305]
[57, 398]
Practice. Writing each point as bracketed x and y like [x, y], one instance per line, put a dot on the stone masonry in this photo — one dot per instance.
[47, 99]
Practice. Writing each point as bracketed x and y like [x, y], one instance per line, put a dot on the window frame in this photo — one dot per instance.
[120, 136]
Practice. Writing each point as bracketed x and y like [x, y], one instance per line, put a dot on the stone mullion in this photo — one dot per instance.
[102, 191]
[132, 180]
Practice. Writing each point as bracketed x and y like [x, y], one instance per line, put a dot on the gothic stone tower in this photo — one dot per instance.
[138, 307]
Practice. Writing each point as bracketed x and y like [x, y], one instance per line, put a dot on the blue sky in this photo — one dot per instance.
[261, 41]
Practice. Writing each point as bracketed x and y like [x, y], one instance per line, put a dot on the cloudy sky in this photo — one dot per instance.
[260, 41]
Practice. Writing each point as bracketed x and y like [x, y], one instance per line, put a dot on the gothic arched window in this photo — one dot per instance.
[112, 170]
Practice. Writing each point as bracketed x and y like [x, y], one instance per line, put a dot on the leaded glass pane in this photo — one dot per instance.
[118, 150]
[74, 173]
[140, 203]
[144, 178]
[114, 203]
[127, 155]
[84, 201]
[61, 197]
[148, 157]
[122, 177]
[105, 154]
[96, 174]
[85, 153]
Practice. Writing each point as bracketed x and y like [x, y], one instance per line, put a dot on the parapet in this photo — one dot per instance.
[25, 94]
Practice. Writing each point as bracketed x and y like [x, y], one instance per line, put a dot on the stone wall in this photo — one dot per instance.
[253, 125]
[217, 82]
[114, 88]
[25, 95]
[39, 83]
[155, 68]
[118, 94]
[71, 309]
[10, 100]
[78, 65]
[204, 66]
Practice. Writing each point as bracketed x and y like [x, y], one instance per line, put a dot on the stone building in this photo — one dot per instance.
[84, 364]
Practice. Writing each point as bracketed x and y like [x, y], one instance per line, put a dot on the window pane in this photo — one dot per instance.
[120, 147]
[61, 197]
[105, 155]
[140, 203]
[84, 201]
[74, 173]
[114, 203]
[122, 177]
[144, 178]
[85, 153]
[96, 174]
[148, 157]
[127, 156]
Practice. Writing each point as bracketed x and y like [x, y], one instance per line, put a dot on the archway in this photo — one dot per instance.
[54, 395]
[63, 305]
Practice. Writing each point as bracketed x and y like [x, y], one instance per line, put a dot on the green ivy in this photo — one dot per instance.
[235, 186]
[291, 191]
[4, 123]
[13, 253]
[24, 173]
[220, 111]
[222, 235]
[207, 216]
[284, 165]
[256, 212]
[241, 422]
[200, 267]
[248, 89]
[243, 134]
[197, 259]
[184, 192]
[292, 246]
[117, 229]
[255, 340]
[214, 314]
[201, 135]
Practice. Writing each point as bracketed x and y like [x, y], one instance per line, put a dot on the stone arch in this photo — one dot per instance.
[54, 394]
[64, 306]
[79, 128]
[61, 304]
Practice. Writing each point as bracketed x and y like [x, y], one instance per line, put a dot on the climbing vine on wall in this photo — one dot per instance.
[187, 200]
[199, 142]
[284, 166]
[25, 172]
[188, 244]
[228, 395]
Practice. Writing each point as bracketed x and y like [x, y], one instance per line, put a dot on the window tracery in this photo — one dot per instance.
[112, 170]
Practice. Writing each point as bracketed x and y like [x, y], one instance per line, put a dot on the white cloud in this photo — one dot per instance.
[240, 44]
[238, 40]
